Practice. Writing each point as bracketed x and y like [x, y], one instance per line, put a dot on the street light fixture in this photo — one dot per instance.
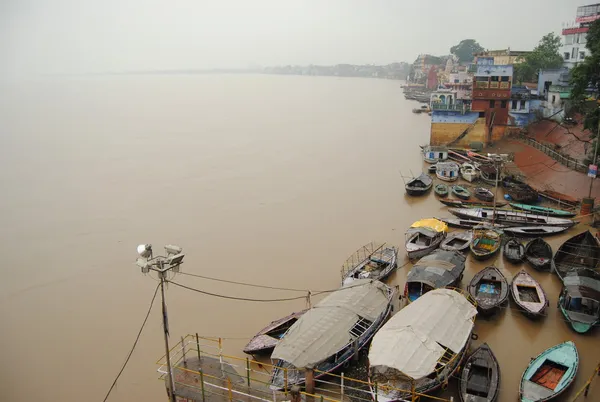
[162, 265]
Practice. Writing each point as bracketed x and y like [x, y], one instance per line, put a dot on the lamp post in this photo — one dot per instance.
[162, 265]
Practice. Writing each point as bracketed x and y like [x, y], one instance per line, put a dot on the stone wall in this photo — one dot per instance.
[445, 133]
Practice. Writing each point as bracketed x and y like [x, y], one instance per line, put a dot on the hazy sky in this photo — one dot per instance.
[75, 36]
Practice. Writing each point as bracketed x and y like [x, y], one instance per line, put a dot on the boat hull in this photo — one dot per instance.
[534, 302]
[514, 251]
[538, 254]
[489, 287]
[480, 376]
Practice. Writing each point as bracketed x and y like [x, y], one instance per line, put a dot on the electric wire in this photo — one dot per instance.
[137, 338]
[236, 298]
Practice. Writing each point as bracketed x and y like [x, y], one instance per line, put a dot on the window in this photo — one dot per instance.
[492, 104]
[503, 104]
[479, 79]
[481, 114]
[522, 104]
[505, 79]
[569, 39]
[553, 99]
[514, 105]
[567, 55]
[574, 52]
[581, 55]
[583, 38]
[494, 78]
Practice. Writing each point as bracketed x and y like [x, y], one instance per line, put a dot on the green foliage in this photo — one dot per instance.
[465, 49]
[586, 76]
[545, 55]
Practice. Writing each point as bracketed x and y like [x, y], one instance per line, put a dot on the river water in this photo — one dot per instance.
[265, 179]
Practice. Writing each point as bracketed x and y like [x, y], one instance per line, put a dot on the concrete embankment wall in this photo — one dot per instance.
[447, 127]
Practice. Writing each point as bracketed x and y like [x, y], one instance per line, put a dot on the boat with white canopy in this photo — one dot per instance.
[422, 346]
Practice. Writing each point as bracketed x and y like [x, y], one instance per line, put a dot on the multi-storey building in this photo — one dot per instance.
[574, 41]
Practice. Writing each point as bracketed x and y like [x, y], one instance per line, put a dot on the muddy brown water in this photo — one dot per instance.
[265, 179]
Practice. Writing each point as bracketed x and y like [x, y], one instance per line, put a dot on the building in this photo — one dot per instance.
[523, 106]
[502, 57]
[462, 83]
[554, 89]
[574, 41]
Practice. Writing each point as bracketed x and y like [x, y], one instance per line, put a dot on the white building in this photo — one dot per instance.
[573, 47]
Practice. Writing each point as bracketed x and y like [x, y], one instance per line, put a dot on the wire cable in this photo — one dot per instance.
[236, 298]
[137, 338]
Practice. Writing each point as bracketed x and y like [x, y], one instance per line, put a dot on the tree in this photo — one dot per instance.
[585, 78]
[465, 49]
[545, 55]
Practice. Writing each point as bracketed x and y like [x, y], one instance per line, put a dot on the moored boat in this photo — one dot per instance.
[460, 223]
[441, 189]
[528, 294]
[424, 236]
[538, 254]
[536, 231]
[480, 379]
[407, 352]
[470, 204]
[461, 192]
[579, 300]
[489, 174]
[468, 172]
[580, 251]
[419, 185]
[489, 288]
[267, 338]
[457, 241]
[433, 154]
[514, 251]
[522, 194]
[559, 197]
[371, 261]
[508, 217]
[486, 243]
[550, 373]
[437, 270]
[543, 210]
[432, 168]
[447, 171]
[483, 194]
[354, 313]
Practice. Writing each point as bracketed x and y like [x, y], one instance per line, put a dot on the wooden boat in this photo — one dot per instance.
[559, 197]
[439, 269]
[488, 173]
[538, 254]
[468, 172]
[371, 261]
[354, 312]
[514, 251]
[489, 288]
[528, 294]
[447, 171]
[536, 231]
[484, 194]
[550, 373]
[512, 181]
[461, 192]
[441, 190]
[579, 300]
[543, 210]
[433, 154]
[510, 218]
[414, 335]
[470, 204]
[419, 185]
[522, 194]
[424, 236]
[457, 241]
[432, 168]
[267, 338]
[480, 379]
[465, 223]
[580, 251]
[486, 242]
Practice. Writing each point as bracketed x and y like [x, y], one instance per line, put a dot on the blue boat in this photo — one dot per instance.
[550, 373]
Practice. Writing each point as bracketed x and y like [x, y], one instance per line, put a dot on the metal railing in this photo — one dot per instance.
[246, 380]
[561, 158]
[459, 107]
[482, 84]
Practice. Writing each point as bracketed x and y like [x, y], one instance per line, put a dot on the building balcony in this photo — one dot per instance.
[482, 84]
[454, 107]
[504, 85]
[494, 84]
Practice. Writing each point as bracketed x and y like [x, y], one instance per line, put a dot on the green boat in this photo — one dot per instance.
[543, 210]
[579, 300]
[461, 192]
[441, 190]
[550, 373]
